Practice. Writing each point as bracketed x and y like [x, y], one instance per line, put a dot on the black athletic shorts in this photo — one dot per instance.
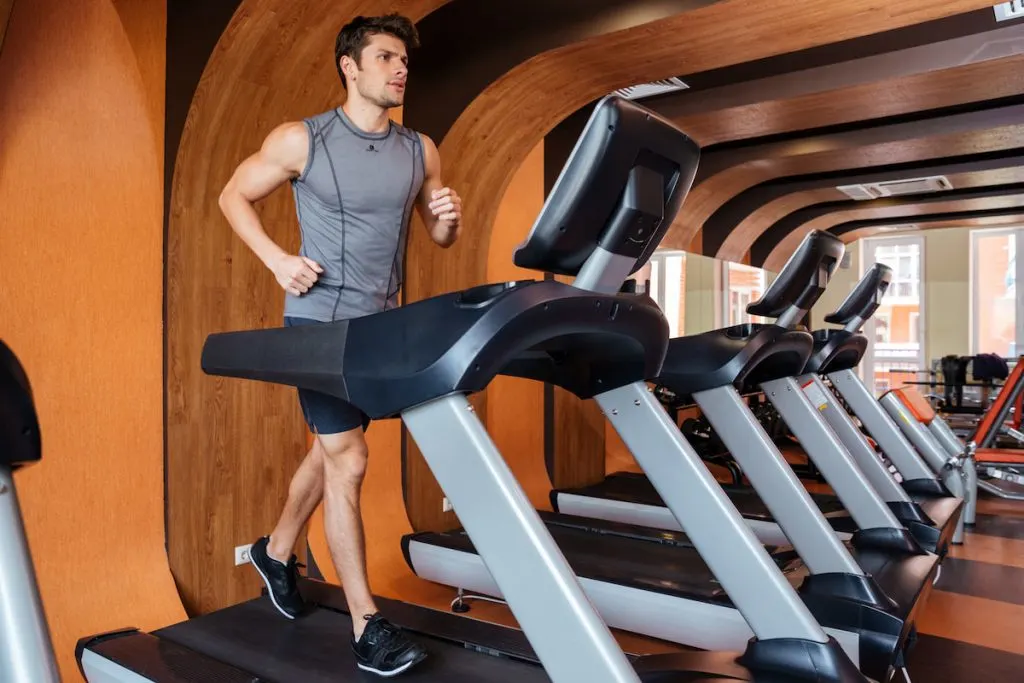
[326, 414]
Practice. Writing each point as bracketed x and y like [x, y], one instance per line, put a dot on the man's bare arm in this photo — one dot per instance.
[281, 158]
[438, 205]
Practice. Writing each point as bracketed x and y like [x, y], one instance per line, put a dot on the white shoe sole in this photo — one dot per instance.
[389, 674]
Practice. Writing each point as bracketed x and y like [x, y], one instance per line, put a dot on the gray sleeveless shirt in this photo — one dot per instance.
[354, 201]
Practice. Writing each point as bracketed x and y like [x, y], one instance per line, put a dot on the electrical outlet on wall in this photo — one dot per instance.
[446, 505]
[242, 554]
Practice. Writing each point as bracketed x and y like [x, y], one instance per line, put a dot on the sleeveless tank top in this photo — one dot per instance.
[354, 201]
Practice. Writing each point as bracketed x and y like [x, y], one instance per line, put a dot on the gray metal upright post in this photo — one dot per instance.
[827, 453]
[775, 482]
[740, 563]
[947, 437]
[571, 641]
[26, 649]
[880, 426]
[927, 446]
[857, 445]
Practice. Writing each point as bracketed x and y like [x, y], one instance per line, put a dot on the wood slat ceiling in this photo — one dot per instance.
[751, 151]
[763, 218]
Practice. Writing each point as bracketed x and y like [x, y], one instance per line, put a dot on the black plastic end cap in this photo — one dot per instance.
[791, 659]
[889, 540]
[932, 488]
[853, 587]
[95, 639]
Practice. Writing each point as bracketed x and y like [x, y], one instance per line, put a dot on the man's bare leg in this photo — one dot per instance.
[304, 493]
[345, 456]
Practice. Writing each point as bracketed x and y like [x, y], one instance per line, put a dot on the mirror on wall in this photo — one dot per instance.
[699, 293]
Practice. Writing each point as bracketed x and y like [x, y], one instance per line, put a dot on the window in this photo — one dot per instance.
[882, 327]
[668, 287]
[743, 286]
[995, 320]
[905, 261]
[895, 352]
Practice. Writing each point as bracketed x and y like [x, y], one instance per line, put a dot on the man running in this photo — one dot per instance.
[355, 176]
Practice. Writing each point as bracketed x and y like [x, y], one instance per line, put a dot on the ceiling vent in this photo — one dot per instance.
[897, 228]
[636, 92]
[1009, 10]
[896, 188]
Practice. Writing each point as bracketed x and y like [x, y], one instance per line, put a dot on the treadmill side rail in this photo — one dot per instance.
[570, 640]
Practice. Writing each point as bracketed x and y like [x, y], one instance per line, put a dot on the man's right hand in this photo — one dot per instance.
[296, 274]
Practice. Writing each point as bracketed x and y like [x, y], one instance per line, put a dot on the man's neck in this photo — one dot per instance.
[368, 117]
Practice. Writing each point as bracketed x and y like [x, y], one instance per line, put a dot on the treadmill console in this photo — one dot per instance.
[866, 297]
[620, 190]
[804, 277]
[19, 426]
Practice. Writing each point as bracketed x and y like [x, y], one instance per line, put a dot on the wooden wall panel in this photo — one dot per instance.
[80, 253]
[145, 24]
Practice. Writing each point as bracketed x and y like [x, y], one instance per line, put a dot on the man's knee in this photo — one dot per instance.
[345, 456]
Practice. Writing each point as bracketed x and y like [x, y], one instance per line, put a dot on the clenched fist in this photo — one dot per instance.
[446, 205]
[296, 274]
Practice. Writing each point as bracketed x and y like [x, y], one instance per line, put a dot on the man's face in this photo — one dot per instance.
[381, 75]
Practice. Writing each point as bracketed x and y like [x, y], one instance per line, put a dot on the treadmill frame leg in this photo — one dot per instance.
[857, 445]
[880, 426]
[823, 447]
[776, 484]
[571, 641]
[752, 580]
[26, 648]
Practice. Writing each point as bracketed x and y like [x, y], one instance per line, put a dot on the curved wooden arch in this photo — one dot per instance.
[917, 214]
[832, 213]
[735, 169]
[793, 196]
[998, 159]
[919, 93]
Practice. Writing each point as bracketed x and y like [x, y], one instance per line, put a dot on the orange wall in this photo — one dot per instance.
[80, 257]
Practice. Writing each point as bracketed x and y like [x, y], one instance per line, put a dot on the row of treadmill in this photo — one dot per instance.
[762, 582]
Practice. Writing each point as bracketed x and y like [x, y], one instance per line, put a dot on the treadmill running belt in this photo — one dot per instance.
[669, 569]
[634, 487]
[315, 649]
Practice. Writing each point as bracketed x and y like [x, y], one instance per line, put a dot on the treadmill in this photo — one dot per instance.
[629, 168]
[656, 583]
[26, 649]
[924, 508]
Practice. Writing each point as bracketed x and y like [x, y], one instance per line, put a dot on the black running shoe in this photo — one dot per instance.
[384, 650]
[279, 578]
